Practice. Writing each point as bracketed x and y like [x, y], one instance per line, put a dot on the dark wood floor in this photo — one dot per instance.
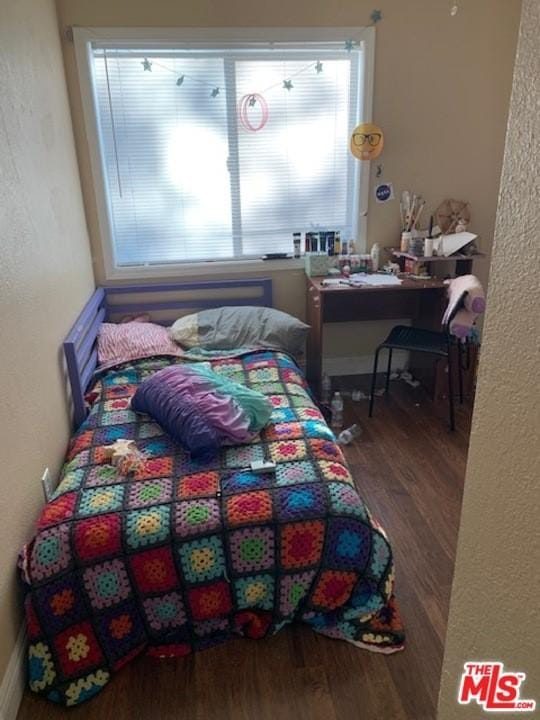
[410, 470]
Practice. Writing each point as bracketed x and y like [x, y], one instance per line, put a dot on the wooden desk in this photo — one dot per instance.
[423, 301]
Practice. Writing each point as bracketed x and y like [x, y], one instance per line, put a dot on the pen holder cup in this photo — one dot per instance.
[406, 240]
[417, 247]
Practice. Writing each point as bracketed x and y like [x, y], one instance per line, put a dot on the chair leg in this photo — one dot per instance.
[388, 371]
[460, 371]
[373, 380]
[451, 390]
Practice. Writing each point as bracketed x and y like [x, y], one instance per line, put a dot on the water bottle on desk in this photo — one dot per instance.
[375, 257]
[337, 411]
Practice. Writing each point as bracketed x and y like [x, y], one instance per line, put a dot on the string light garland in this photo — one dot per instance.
[253, 99]
[285, 84]
[375, 17]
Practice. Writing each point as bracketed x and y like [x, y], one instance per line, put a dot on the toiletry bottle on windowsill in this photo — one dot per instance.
[337, 243]
[330, 243]
[297, 242]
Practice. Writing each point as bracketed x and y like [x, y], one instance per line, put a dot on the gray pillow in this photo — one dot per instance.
[226, 328]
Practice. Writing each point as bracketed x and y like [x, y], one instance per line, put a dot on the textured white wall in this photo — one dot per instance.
[45, 275]
[495, 606]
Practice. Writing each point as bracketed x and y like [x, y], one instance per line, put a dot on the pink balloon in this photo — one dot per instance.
[249, 101]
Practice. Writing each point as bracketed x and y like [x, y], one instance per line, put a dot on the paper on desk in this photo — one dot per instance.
[374, 280]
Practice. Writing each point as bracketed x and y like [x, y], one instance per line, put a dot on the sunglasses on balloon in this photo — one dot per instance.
[372, 139]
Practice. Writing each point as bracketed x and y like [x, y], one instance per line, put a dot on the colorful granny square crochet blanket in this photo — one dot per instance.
[184, 554]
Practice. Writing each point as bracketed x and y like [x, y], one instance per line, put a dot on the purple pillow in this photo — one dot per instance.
[164, 398]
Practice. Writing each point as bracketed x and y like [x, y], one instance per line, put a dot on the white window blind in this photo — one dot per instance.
[187, 182]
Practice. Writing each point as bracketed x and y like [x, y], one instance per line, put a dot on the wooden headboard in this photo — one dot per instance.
[164, 304]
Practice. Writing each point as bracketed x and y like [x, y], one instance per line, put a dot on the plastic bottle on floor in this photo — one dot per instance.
[346, 437]
[337, 411]
[326, 389]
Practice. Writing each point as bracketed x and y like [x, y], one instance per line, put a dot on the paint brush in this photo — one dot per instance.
[407, 207]
[417, 218]
[413, 210]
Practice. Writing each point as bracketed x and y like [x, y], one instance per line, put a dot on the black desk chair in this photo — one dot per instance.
[414, 339]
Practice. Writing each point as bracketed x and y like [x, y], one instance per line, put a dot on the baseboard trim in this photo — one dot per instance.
[363, 364]
[14, 680]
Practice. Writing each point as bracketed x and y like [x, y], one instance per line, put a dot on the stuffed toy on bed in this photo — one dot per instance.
[125, 456]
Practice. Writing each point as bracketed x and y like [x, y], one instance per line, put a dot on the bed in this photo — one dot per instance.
[187, 553]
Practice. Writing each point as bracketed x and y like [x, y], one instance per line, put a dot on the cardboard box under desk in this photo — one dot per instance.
[432, 373]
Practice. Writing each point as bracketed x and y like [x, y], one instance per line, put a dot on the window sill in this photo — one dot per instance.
[204, 268]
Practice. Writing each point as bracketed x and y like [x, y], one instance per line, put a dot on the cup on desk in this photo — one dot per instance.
[406, 239]
[417, 247]
[428, 247]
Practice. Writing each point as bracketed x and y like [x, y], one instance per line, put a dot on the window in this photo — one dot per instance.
[185, 175]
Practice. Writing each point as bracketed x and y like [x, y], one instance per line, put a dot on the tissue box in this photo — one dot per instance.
[319, 265]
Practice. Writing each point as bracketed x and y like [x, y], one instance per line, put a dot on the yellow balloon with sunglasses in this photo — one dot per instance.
[367, 141]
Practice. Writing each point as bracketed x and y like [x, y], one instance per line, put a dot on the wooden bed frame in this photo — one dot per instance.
[80, 347]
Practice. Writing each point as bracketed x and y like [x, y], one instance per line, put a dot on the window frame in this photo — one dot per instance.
[157, 38]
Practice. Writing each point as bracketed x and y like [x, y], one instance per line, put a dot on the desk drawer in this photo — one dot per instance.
[345, 306]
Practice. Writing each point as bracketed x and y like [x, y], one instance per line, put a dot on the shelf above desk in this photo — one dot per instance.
[433, 258]
[463, 262]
